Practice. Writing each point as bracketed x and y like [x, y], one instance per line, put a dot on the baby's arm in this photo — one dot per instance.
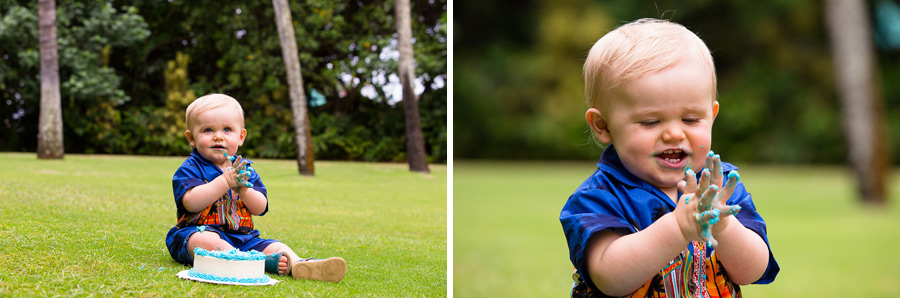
[618, 265]
[742, 252]
[198, 198]
[254, 200]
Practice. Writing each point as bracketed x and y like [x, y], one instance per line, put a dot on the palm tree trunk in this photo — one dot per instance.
[50, 125]
[302, 137]
[415, 141]
[858, 89]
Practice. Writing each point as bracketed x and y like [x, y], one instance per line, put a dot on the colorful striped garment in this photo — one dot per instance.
[228, 213]
[682, 278]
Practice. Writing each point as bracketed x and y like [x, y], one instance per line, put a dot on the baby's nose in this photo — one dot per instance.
[673, 133]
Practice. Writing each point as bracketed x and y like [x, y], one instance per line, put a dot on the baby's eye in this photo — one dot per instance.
[228, 129]
[207, 130]
[690, 120]
[648, 123]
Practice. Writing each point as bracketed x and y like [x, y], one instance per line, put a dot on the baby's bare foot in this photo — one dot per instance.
[283, 264]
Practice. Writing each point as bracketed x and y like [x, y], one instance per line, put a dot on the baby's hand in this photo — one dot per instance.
[691, 196]
[718, 203]
[710, 204]
[239, 175]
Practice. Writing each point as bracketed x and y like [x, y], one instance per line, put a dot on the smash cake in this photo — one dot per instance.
[231, 267]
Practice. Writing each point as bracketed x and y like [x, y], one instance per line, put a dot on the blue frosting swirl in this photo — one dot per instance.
[253, 280]
[233, 254]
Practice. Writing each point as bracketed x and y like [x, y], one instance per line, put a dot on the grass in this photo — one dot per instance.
[508, 241]
[89, 225]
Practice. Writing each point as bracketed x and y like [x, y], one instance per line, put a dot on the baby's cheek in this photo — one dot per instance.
[698, 160]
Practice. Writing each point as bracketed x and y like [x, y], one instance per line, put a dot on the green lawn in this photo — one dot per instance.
[93, 224]
[508, 241]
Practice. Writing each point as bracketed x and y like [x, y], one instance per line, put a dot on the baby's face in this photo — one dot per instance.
[662, 123]
[215, 132]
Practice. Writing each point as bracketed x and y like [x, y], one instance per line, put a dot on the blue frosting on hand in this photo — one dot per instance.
[734, 175]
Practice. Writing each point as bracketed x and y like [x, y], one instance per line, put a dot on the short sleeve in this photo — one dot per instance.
[186, 177]
[586, 213]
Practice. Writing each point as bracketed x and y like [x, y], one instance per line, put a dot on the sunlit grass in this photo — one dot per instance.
[508, 241]
[97, 225]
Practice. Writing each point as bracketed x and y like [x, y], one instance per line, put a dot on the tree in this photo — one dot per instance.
[302, 137]
[112, 70]
[50, 132]
[854, 62]
[415, 143]
[90, 39]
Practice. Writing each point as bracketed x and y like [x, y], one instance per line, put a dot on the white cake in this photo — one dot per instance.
[232, 266]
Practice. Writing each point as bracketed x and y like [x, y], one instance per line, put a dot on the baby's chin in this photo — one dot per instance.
[668, 185]
[661, 178]
[214, 155]
[665, 181]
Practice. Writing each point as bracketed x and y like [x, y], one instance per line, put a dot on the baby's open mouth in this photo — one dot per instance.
[217, 147]
[672, 155]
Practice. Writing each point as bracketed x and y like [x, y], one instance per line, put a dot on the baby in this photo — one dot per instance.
[216, 195]
[642, 223]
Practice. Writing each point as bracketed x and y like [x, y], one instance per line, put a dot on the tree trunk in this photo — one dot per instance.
[415, 141]
[50, 125]
[854, 59]
[302, 137]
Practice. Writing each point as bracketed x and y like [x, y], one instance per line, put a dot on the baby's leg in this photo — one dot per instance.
[331, 269]
[207, 240]
[277, 247]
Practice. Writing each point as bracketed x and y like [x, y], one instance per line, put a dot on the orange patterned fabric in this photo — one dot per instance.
[228, 213]
[681, 278]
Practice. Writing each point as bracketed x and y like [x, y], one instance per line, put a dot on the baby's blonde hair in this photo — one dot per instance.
[209, 102]
[639, 48]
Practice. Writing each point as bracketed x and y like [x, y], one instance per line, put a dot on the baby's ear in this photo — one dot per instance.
[189, 137]
[715, 110]
[598, 125]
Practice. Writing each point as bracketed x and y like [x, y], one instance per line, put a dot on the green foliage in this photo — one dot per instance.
[178, 96]
[343, 136]
[141, 58]
[519, 87]
[522, 98]
[84, 31]
[102, 235]
[90, 90]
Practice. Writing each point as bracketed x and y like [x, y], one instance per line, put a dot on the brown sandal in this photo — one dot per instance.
[331, 269]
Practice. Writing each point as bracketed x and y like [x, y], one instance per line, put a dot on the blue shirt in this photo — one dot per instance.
[614, 199]
[228, 212]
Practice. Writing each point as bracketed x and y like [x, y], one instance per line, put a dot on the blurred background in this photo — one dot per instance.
[520, 87]
[128, 70]
[521, 145]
